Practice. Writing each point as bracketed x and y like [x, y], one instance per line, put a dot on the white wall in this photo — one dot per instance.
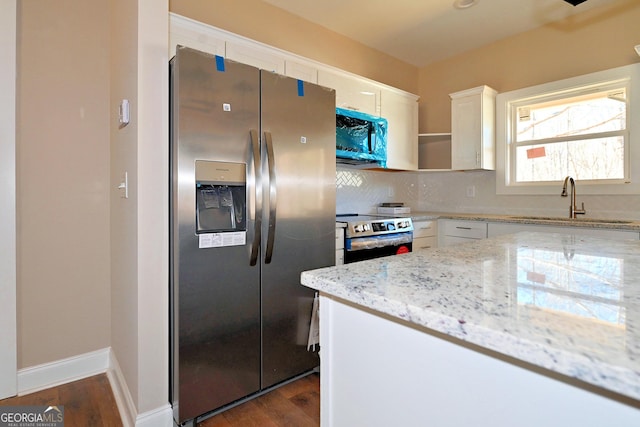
[447, 191]
[360, 191]
[8, 343]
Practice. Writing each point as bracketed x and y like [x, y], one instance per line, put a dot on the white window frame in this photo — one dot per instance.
[507, 102]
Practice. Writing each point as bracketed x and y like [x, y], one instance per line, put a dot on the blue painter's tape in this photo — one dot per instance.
[220, 63]
[300, 88]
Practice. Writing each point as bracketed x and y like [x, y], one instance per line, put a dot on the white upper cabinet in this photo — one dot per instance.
[401, 112]
[352, 93]
[473, 129]
[301, 71]
[256, 56]
[196, 35]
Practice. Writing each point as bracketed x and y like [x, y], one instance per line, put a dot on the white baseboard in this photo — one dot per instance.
[121, 393]
[102, 361]
[159, 417]
[63, 371]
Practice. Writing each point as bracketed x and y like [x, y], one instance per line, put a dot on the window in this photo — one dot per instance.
[579, 127]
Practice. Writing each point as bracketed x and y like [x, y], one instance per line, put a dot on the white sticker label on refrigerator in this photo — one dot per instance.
[217, 240]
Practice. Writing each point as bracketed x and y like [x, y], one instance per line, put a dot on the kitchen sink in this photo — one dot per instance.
[565, 219]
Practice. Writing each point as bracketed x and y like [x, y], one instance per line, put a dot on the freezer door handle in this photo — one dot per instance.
[255, 148]
[272, 197]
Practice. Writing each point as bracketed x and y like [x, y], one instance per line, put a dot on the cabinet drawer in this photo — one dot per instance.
[466, 229]
[425, 242]
[424, 229]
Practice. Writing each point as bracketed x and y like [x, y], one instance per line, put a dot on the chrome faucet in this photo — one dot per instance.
[573, 210]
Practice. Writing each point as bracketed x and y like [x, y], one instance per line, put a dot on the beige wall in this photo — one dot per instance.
[62, 180]
[139, 224]
[92, 267]
[593, 41]
[124, 157]
[265, 23]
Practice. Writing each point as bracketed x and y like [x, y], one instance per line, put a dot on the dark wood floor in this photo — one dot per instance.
[87, 402]
[90, 402]
[296, 404]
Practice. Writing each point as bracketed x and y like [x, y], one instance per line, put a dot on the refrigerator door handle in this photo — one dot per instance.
[255, 148]
[272, 197]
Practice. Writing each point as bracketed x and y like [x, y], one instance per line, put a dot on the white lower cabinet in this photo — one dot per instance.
[339, 245]
[425, 234]
[500, 228]
[378, 371]
[453, 231]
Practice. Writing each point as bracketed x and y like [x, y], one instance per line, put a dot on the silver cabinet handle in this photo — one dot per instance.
[463, 228]
[255, 245]
[271, 234]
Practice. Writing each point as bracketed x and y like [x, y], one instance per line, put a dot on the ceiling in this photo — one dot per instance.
[423, 31]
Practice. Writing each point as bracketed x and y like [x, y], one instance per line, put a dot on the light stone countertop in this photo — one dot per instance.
[581, 221]
[566, 303]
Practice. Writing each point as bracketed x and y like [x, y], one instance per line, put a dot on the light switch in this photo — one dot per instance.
[124, 113]
[124, 186]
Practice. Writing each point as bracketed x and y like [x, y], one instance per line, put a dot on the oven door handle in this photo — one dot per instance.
[380, 241]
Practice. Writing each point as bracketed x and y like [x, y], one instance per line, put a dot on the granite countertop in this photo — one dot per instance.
[566, 303]
[588, 222]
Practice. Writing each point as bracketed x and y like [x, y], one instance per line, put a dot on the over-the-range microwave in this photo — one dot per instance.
[361, 139]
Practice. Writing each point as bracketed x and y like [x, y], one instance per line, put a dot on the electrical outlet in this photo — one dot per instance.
[471, 191]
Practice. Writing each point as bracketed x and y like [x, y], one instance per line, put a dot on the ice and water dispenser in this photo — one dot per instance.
[221, 189]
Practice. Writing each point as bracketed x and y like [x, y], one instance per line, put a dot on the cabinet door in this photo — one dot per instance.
[185, 32]
[500, 228]
[425, 242]
[301, 71]
[459, 231]
[425, 229]
[465, 133]
[473, 129]
[401, 112]
[339, 245]
[255, 56]
[352, 93]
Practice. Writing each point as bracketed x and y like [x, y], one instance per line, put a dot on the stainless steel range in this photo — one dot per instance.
[371, 236]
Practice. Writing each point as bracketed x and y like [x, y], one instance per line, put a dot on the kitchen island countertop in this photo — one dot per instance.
[568, 304]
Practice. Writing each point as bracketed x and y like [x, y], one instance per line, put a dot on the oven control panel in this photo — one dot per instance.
[382, 226]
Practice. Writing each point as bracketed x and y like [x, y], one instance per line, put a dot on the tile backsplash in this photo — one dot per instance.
[361, 191]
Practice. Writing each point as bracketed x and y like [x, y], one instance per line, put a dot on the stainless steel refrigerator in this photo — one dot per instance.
[252, 204]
